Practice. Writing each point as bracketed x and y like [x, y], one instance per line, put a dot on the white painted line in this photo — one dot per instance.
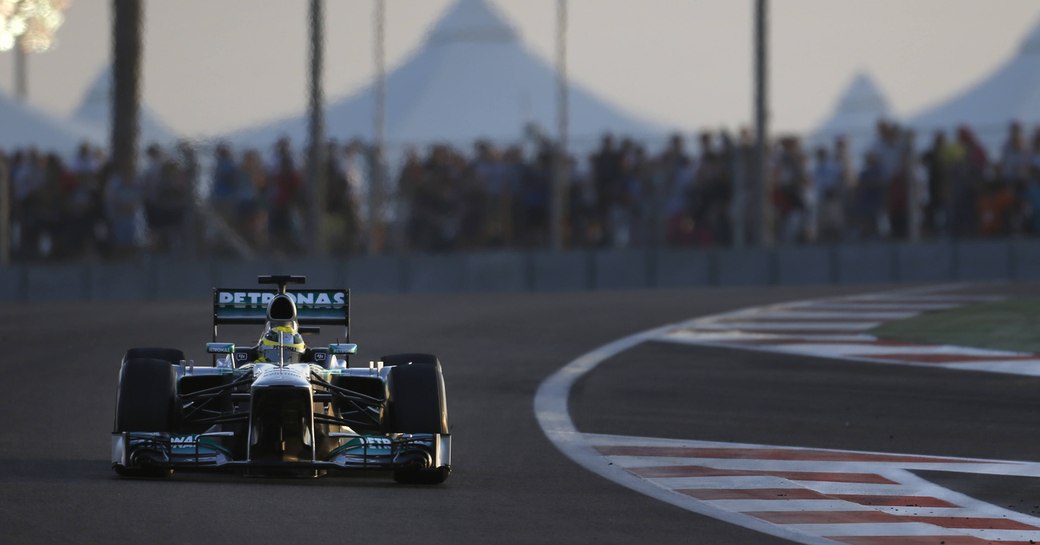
[780, 505]
[874, 529]
[956, 298]
[838, 350]
[731, 483]
[689, 335]
[792, 325]
[809, 314]
[869, 307]
[1016, 367]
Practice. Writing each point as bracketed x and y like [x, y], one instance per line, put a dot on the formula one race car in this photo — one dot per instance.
[280, 407]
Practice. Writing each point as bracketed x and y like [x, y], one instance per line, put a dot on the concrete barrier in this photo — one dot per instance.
[864, 264]
[983, 260]
[174, 279]
[745, 268]
[682, 269]
[620, 269]
[439, 273]
[498, 272]
[1025, 259]
[119, 282]
[570, 271]
[164, 279]
[806, 265]
[377, 274]
[57, 283]
[926, 262]
[12, 284]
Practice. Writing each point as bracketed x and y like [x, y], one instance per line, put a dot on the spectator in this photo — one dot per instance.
[827, 212]
[227, 182]
[148, 180]
[285, 194]
[340, 206]
[492, 193]
[1014, 172]
[870, 194]
[251, 200]
[28, 174]
[937, 163]
[792, 186]
[124, 207]
[970, 170]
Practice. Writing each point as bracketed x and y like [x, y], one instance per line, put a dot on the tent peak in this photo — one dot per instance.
[471, 21]
[863, 95]
[1031, 44]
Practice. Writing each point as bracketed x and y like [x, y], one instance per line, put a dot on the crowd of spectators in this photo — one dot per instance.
[622, 195]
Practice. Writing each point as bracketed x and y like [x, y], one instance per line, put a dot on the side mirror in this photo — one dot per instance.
[343, 349]
[220, 348]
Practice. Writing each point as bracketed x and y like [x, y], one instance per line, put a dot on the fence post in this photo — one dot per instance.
[5, 216]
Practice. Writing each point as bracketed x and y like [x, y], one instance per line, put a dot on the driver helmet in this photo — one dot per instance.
[281, 344]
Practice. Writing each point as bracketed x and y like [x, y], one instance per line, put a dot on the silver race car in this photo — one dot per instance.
[280, 407]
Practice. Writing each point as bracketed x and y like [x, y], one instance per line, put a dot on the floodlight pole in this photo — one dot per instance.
[763, 205]
[376, 182]
[5, 216]
[561, 161]
[127, 21]
[316, 134]
[21, 75]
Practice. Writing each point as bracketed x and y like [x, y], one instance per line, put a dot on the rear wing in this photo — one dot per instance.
[248, 306]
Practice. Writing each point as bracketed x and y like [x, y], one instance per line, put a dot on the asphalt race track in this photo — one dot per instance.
[510, 484]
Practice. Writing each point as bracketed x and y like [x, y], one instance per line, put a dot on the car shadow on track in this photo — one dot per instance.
[44, 470]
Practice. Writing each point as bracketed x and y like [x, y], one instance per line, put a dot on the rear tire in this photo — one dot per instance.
[416, 358]
[171, 355]
[418, 405]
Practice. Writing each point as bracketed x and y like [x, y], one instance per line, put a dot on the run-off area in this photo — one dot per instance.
[668, 390]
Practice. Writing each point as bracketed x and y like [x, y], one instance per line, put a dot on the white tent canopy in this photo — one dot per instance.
[1010, 93]
[22, 126]
[855, 117]
[858, 111]
[95, 112]
[472, 78]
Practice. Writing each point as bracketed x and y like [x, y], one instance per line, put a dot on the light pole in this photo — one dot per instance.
[21, 78]
[377, 184]
[316, 135]
[561, 175]
[128, 16]
[5, 216]
[763, 206]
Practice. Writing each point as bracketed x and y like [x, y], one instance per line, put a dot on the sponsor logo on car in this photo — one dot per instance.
[301, 298]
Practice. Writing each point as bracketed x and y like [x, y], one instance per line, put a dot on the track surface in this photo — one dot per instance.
[510, 485]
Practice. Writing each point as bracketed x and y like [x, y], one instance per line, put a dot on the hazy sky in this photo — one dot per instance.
[216, 65]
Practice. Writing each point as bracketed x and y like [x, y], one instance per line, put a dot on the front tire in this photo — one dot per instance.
[145, 403]
[418, 405]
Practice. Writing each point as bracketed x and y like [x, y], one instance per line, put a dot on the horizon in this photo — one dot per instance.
[891, 41]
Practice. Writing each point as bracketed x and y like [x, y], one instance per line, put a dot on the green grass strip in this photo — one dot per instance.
[1004, 325]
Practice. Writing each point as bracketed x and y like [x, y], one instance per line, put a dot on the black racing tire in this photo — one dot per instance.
[417, 399]
[429, 476]
[418, 404]
[417, 358]
[146, 396]
[171, 355]
[145, 401]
